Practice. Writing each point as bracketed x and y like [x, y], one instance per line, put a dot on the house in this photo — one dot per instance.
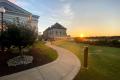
[16, 14]
[56, 31]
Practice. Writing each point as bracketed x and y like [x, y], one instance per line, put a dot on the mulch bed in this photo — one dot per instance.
[39, 59]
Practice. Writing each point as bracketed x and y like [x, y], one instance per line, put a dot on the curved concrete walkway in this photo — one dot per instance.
[65, 67]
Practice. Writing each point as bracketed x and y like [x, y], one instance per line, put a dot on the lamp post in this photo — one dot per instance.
[2, 11]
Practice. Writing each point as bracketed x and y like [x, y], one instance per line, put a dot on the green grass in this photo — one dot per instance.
[49, 52]
[104, 62]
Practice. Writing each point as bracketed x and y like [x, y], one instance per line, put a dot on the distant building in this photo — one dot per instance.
[56, 31]
[16, 14]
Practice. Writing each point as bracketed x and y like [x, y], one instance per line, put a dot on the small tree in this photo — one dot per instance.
[5, 41]
[17, 35]
[40, 37]
[21, 36]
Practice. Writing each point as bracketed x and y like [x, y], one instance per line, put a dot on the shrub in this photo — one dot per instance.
[19, 36]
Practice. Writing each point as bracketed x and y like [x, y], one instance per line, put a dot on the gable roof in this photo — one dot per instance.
[55, 26]
[13, 8]
[58, 26]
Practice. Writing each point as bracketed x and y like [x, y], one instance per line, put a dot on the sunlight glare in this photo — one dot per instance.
[81, 35]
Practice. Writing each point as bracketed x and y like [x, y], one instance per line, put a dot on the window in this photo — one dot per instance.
[60, 33]
[56, 33]
[16, 20]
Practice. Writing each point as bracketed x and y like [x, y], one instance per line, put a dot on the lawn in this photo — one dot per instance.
[45, 50]
[40, 52]
[104, 62]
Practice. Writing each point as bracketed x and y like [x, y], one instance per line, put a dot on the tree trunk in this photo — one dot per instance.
[20, 50]
[2, 49]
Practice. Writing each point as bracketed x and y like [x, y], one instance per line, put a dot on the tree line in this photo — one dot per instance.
[114, 42]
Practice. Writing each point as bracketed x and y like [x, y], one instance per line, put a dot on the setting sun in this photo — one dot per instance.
[81, 35]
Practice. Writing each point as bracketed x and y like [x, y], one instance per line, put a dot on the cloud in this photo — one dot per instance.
[63, 0]
[22, 4]
[67, 9]
[12, 1]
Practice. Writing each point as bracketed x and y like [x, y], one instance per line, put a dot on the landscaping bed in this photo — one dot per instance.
[39, 51]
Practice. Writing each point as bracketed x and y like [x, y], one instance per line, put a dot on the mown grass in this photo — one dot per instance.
[103, 61]
[45, 50]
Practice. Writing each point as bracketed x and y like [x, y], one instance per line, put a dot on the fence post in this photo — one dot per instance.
[86, 57]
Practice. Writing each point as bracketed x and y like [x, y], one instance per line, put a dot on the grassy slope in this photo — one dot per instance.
[45, 50]
[104, 62]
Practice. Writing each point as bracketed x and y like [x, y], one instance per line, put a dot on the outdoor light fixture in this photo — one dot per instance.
[2, 9]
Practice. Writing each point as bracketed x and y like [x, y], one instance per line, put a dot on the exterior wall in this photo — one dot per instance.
[45, 35]
[22, 19]
[59, 33]
[55, 33]
[16, 14]
[12, 17]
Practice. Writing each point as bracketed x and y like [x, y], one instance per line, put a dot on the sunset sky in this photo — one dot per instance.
[86, 17]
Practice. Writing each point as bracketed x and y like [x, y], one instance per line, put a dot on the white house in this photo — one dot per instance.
[56, 31]
[16, 14]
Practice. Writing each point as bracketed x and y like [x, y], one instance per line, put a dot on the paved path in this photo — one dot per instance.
[65, 67]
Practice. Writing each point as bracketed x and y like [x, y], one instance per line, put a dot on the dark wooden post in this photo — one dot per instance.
[86, 57]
